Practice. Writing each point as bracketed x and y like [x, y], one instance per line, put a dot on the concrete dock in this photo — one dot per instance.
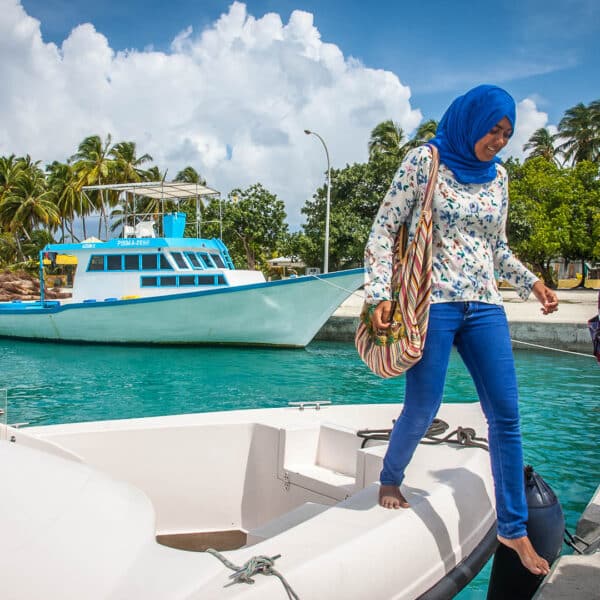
[565, 329]
[577, 576]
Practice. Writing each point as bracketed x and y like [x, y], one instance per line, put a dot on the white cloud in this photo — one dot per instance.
[529, 119]
[232, 101]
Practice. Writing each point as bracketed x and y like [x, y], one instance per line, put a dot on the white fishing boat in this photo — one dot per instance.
[125, 509]
[173, 289]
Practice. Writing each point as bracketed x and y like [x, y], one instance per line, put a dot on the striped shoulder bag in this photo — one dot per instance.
[390, 352]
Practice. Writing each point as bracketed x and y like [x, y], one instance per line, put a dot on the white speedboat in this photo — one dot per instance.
[113, 510]
[174, 290]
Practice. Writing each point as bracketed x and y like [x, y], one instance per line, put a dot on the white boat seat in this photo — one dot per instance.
[145, 229]
[322, 459]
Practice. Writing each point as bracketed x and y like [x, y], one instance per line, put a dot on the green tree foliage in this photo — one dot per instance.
[26, 203]
[190, 175]
[386, 144]
[542, 143]
[254, 226]
[356, 193]
[127, 166]
[580, 131]
[553, 213]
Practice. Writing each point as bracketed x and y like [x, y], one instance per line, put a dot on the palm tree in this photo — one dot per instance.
[541, 143]
[127, 167]
[192, 206]
[387, 141]
[190, 175]
[154, 174]
[10, 167]
[28, 204]
[69, 199]
[580, 130]
[424, 133]
[94, 166]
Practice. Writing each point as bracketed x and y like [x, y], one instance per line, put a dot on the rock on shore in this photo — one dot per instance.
[20, 285]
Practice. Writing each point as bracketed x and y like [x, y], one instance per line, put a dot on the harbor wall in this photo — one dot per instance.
[565, 329]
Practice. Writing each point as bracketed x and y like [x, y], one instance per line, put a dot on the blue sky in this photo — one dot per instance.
[229, 87]
[546, 49]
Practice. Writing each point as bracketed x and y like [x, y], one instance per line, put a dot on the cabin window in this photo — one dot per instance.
[179, 260]
[206, 280]
[220, 280]
[187, 280]
[114, 262]
[206, 260]
[96, 263]
[132, 262]
[164, 263]
[194, 260]
[218, 260]
[168, 281]
[149, 262]
[149, 281]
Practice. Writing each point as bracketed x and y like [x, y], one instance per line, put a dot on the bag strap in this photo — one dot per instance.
[432, 178]
[401, 240]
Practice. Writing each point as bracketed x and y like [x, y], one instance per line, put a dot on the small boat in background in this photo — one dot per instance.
[126, 509]
[173, 290]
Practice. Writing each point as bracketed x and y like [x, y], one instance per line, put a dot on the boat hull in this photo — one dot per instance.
[285, 313]
[85, 504]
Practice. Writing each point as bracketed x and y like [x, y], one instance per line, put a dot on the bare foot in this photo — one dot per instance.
[391, 497]
[530, 559]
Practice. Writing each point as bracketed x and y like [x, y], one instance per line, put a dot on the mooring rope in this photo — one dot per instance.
[553, 349]
[358, 292]
[465, 436]
[257, 564]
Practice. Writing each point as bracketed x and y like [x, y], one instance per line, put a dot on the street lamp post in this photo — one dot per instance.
[326, 256]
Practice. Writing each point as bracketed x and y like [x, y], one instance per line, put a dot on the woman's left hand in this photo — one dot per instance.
[546, 296]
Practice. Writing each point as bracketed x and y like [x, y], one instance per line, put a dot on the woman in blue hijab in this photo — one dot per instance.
[469, 210]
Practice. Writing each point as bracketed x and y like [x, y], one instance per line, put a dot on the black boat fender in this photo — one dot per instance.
[509, 579]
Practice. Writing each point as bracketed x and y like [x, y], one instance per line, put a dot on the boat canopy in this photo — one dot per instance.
[167, 190]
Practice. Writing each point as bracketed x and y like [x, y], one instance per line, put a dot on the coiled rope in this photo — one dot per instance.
[461, 436]
[257, 564]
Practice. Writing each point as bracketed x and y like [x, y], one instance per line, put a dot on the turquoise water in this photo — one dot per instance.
[50, 383]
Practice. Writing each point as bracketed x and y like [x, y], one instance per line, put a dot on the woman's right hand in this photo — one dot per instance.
[382, 315]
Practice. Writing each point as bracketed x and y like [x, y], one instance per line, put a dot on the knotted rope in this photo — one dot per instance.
[257, 564]
[465, 436]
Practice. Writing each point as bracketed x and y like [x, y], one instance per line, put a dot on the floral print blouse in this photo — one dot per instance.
[469, 238]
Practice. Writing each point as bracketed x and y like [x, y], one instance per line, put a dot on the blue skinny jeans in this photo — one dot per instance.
[481, 335]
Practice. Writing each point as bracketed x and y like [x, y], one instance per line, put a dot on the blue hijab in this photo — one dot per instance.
[465, 122]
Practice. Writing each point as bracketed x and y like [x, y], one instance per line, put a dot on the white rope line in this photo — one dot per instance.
[553, 349]
[339, 287]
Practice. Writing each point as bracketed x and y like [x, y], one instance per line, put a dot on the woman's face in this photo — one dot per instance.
[493, 141]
